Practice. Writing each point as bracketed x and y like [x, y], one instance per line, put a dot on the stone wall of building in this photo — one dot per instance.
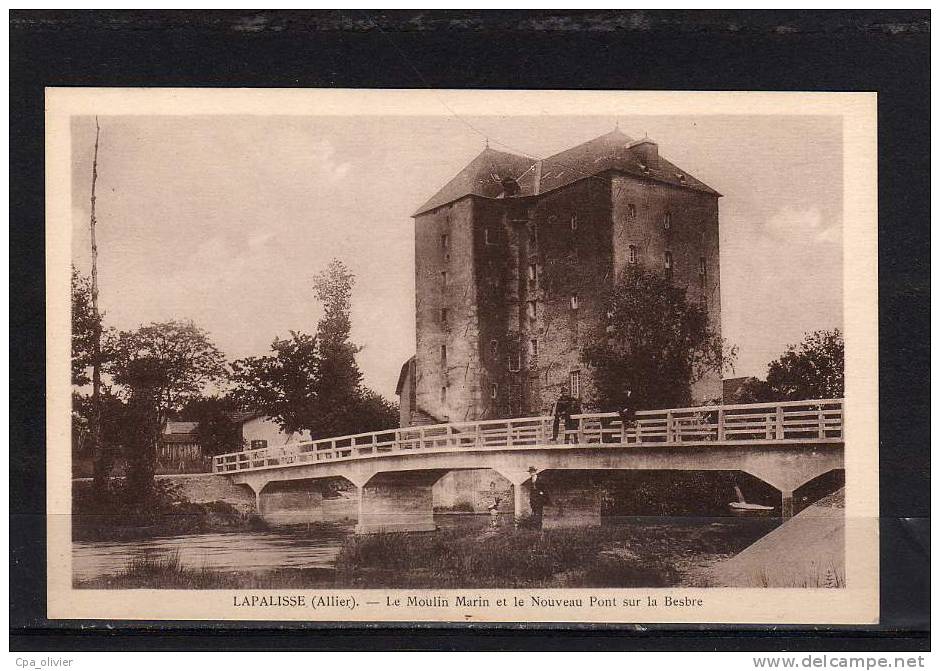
[499, 241]
[525, 283]
[640, 211]
[447, 381]
[574, 252]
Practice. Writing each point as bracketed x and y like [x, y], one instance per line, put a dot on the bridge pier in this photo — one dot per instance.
[786, 504]
[521, 492]
[397, 501]
[573, 508]
[574, 499]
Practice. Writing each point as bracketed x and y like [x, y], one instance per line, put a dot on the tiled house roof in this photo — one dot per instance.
[180, 433]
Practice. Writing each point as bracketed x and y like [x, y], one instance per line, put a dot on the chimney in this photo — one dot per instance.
[646, 152]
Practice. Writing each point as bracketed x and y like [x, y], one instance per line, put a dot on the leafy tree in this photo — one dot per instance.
[376, 412]
[313, 383]
[159, 367]
[84, 324]
[338, 391]
[146, 378]
[283, 385]
[813, 369]
[187, 358]
[655, 343]
[751, 390]
[217, 431]
[87, 326]
[113, 430]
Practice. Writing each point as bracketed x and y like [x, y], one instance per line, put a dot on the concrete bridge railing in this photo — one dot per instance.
[786, 423]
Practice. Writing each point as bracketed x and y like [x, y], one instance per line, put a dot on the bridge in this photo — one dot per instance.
[784, 444]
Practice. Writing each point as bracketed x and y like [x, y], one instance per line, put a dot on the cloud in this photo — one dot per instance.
[781, 276]
[805, 225]
[323, 153]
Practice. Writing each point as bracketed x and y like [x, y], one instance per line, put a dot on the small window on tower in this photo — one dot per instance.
[575, 302]
[530, 309]
[701, 265]
[488, 236]
[494, 347]
[574, 222]
[444, 278]
[533, 347]
[444, 355]
[667, 264]
[444, 316]
[445, 241]
[494, 390]
[631, 210]
[632, 252]
[443, 395]
[533, 234]
[533, 274]
[574, 383]
[667, 220]
[514, 360]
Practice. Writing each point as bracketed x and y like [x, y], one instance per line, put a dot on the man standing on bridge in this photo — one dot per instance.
[627, 417]
[565, 407]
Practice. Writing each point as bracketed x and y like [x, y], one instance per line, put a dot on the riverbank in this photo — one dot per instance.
[807, 551]
[118, 516]
[635, 552]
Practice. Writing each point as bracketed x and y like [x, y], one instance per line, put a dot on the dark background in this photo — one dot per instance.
[883, 51]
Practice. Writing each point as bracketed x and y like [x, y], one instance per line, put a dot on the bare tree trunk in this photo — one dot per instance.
[99, 452]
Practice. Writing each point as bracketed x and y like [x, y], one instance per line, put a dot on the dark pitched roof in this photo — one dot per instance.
[180, 428]
[483, 177]
[612, 151]
[240, 417]
[403, 375]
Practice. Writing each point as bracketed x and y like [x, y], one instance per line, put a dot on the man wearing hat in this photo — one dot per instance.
[537, 498]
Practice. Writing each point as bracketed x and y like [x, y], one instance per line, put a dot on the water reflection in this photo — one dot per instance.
[242, 551]
[318, 546]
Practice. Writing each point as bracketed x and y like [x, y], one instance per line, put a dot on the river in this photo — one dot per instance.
[260, 551]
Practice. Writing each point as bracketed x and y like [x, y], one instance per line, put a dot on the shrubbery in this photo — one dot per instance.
[165, 512]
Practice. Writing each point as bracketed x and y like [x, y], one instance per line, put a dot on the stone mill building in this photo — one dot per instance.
[510, 259]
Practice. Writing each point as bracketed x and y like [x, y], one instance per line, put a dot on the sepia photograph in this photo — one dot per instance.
[593, 359]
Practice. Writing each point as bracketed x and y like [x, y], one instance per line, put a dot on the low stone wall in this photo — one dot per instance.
[201, 488]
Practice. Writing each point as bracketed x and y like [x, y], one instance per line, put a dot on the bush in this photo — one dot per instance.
[514, 558]
[165, 512]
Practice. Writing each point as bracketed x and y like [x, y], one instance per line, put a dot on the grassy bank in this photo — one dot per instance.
[167, 572]
[808, 551]
[642, 554]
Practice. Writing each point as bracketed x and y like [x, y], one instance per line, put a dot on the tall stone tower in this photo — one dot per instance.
[511, 257]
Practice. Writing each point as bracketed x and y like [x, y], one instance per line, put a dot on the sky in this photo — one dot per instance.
[224, 220]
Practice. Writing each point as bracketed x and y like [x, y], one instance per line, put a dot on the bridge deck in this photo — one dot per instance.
[795, 422]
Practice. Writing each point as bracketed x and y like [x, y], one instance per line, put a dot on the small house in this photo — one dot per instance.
[260, 431]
